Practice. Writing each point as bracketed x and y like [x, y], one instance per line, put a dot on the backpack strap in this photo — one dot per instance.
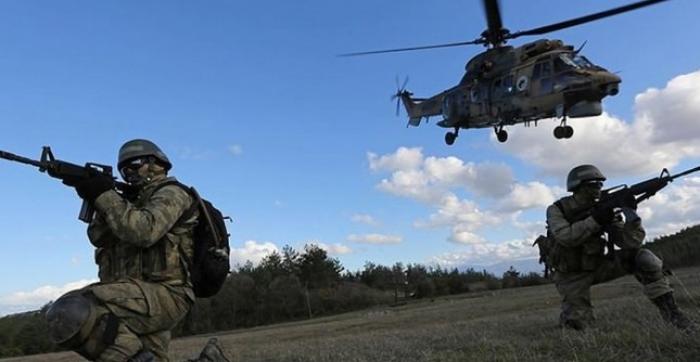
[197, 204]
[563, 210]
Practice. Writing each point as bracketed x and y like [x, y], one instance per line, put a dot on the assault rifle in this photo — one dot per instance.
[624, 196]
[68, 172]
[621, 197]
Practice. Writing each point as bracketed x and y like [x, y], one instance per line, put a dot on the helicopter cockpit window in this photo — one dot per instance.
[581, 61]
[564, 61]
[542, 69]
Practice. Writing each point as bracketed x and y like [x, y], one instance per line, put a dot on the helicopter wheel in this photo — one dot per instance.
[502, 135]
[450, 138]
[568, 131]
[559, 132]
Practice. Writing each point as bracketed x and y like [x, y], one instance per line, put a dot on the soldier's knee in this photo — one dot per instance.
[648, 262]
[76, 322]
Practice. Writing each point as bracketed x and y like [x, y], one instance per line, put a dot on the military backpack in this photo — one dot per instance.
[210, 264]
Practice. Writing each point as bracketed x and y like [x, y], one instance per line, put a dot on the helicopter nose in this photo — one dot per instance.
[609, 84]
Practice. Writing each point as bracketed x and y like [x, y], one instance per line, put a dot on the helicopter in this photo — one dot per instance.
[507, 85]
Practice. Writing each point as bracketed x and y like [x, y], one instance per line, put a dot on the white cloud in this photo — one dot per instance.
[32, 300]
[665, 130]
[365, 219]
[235, 150]
[375, 238]
[672, 209]
[530, 195]
[333, 249]
[672, 112]
[404, 158]
[253, 251]
[463, 216]
[488, 253]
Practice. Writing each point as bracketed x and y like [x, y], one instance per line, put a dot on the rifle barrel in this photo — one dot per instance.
[685, 172]
[17, 158]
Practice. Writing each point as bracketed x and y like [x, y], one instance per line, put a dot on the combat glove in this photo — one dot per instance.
[89, 189]
[603, 215]
[630, 201]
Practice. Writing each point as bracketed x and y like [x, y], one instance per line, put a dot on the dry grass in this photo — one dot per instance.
[506, 325]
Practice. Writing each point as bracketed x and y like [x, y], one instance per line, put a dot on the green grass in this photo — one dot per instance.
[504, 325]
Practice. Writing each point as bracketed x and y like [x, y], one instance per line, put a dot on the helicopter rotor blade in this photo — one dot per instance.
[583, 19]
[493, 16]
[477, 41]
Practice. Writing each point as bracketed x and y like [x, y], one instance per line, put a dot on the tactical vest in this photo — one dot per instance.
[589, 255]
[164, 261]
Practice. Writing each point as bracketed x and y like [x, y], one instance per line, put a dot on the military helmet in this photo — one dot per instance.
[581, 174]
[139, 148]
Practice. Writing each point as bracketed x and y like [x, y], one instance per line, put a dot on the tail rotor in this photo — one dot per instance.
[400, 91]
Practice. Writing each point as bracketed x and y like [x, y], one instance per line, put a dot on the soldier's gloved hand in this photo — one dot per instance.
[630, 201]
[89, 189]
[603, 215]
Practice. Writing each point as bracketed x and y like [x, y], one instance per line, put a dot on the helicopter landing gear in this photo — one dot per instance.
[450, 137]
[501, 134]
[563, 131]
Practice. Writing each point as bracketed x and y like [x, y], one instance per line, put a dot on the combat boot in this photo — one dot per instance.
[212, 352]
[672, 314]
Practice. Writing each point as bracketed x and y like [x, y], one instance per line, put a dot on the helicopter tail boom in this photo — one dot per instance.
[419, 108]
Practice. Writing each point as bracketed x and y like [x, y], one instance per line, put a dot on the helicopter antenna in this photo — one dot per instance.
[581, 47]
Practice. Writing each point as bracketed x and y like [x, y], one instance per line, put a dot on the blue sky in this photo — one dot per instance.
[254, 108]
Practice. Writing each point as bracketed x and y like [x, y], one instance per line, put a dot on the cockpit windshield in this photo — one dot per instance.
[577, 61]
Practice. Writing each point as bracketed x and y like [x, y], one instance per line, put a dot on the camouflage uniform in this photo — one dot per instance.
[142, 252]
[580, 261]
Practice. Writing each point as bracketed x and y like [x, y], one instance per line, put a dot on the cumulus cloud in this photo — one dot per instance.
[252, 251]
[488, 253]
[34, 299]
[530, 195]
[365, 219]
[403, 159]
[428, 179]
[375, 238]
[665, 130]
[672, 209]
[435, 180]
[333, 249]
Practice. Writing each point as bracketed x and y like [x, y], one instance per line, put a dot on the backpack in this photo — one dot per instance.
[548, 248]
[210, 264]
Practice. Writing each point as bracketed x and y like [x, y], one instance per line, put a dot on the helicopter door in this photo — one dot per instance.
[542, 77]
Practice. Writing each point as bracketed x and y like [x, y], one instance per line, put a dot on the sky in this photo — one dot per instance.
[254, 108]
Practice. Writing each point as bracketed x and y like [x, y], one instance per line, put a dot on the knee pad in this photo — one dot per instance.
[77, 322]
[647, 261]
[70, 320]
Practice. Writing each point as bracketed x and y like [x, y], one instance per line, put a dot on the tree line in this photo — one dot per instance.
[293, 285]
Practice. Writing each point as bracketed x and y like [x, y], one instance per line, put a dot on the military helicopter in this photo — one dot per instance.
[507, 85]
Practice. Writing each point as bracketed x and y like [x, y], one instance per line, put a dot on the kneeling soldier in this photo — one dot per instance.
[579, 256]
[143, 243]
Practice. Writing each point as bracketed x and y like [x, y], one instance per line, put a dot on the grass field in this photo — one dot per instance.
[504, 325]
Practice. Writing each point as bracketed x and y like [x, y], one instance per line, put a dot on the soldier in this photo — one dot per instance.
[579, 258]
[143, 243]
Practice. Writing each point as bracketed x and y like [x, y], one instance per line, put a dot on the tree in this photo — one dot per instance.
[316, 269]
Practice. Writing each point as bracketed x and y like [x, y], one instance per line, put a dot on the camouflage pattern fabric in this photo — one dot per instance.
[146, 312]
[142, 250]
[582, 263]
